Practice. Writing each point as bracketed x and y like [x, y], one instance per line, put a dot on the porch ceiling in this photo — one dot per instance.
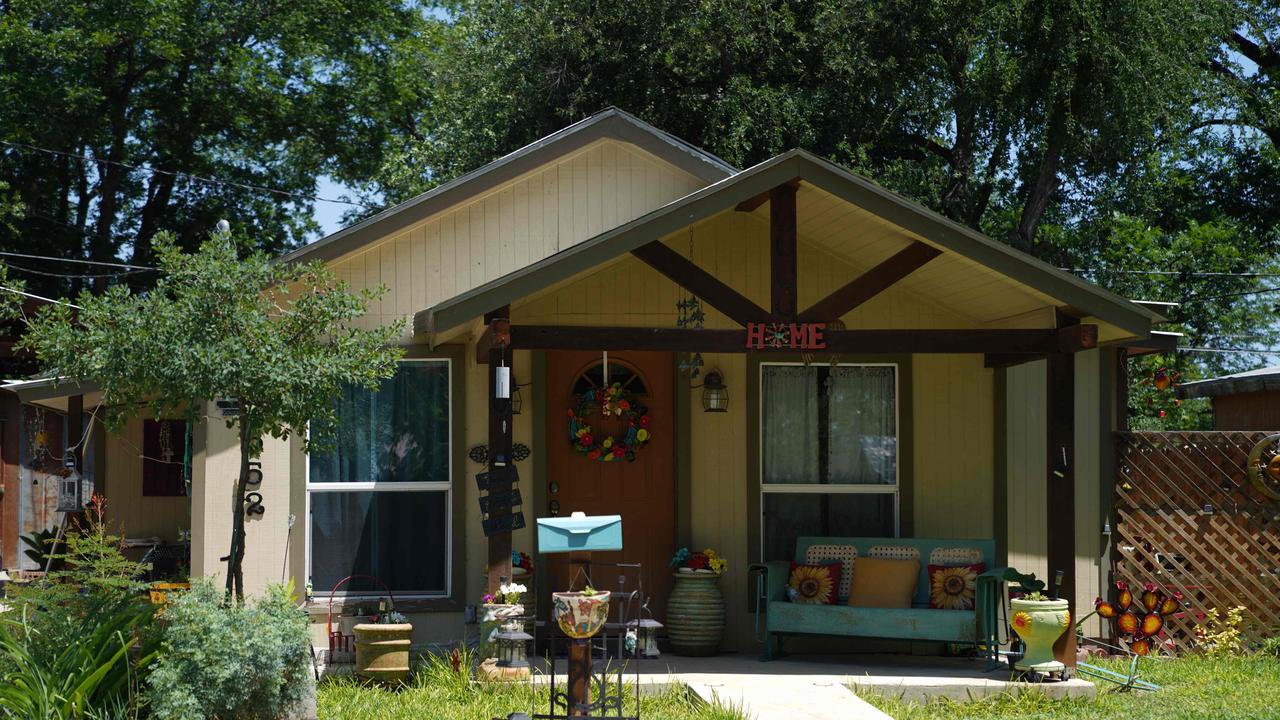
[848, 216]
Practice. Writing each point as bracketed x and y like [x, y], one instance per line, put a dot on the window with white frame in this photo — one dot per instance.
[379, 486]
[829, 453]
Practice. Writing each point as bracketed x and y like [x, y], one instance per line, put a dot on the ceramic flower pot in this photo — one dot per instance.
[382, 651]
[580, 616]
[695, 614]
[1039, 623]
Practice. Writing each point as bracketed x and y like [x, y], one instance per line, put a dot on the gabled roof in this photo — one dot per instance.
[611, 123]
[1260, 380]
[912, 217]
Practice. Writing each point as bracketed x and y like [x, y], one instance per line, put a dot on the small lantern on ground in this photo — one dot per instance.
[647, 640]
[513, 649]
[715, 396]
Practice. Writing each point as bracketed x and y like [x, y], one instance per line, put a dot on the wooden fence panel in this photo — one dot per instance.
[1187, 519]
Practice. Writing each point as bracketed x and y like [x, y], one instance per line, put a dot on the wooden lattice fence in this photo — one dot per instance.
[1187, 519]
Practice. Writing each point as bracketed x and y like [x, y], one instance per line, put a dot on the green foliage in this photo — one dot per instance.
[1219, 635]
[40, 544]
[69, 625]
[230, 661]
[281, 339]
[89, 676]
[274, 94]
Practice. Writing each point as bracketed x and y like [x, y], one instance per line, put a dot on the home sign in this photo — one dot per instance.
[786, 336]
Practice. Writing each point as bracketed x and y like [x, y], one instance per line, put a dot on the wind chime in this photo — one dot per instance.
[690, 316]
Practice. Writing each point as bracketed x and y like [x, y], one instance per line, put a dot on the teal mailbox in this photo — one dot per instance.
[579, 532]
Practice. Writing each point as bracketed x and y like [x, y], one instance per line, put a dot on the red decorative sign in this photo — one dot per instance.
[786, 336]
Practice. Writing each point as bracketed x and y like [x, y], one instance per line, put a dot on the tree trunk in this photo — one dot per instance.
[235, 559]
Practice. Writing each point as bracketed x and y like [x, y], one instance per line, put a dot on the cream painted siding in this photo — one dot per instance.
[954, 460]
[130, 512]
[1027, 466]
[1092, 409]
[559, 205]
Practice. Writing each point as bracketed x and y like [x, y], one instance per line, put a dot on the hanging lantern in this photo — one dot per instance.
[715, 396]
[513, 648]
[647, 637]
[517, 400]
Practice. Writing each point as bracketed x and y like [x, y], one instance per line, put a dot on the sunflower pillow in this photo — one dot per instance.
[813, 584]
[953, 588]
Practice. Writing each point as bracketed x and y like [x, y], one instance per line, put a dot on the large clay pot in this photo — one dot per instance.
[695, 614]
[1039, 623]
[580, 616]
[382, 651]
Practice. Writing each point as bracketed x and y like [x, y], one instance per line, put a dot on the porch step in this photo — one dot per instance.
[783, 697]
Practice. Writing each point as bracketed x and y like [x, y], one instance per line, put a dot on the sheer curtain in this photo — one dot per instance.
[790, 424]
[863, 426]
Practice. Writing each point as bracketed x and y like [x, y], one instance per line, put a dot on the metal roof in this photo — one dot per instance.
[1260, 380]
[610, 123]
[795, 164]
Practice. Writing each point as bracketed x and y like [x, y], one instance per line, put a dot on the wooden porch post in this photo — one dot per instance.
[1060, 510]
[782, 243]
[500, 422]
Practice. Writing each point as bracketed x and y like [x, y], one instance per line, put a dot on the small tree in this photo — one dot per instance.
[278, 339]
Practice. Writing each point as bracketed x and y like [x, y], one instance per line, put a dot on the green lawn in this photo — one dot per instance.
[1192, 687]
[436, 692]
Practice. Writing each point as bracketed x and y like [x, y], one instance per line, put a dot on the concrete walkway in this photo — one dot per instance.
[783, 697]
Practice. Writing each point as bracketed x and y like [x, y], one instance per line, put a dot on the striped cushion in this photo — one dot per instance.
[846, 554]
[955, 556]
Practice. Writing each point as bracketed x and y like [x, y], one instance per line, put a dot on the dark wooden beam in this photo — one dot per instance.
[755, 201]
[1030, 342]
[496, 335]
[1004, 360]
[782, 250]
[871, 283]
[1060, 495]
[686, 274]
[500, 427]
[1077, 337]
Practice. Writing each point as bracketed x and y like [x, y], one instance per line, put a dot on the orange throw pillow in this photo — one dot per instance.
[884, 583]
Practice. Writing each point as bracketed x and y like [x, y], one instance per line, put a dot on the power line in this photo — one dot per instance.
[1171, 272]
[72, 276]
[101, 263]
[189, 176]
[39, 297]
[1228, 351]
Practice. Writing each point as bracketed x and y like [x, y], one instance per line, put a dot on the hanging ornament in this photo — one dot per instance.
[690, 316]
[1164, 378]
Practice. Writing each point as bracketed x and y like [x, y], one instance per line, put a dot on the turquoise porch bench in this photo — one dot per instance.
[780, 617]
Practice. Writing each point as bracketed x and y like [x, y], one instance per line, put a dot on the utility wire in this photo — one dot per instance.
[1170, 272]
[68, 276]
[189, 176]
[101, 263]
[39, 297]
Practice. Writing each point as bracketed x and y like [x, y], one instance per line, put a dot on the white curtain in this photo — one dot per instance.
[790, 424]
[863, 426]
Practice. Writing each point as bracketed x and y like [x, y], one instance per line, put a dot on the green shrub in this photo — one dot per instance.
[231, 662]
[92, 677]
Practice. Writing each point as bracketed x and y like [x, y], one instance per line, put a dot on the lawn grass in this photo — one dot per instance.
[435, 691]
[1191, 688]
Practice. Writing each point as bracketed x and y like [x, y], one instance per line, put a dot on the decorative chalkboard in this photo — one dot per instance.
[502, 523]
[506, 474]
[500, 500]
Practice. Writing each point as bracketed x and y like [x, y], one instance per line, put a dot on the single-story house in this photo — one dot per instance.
[886, 372]
[1247, 400]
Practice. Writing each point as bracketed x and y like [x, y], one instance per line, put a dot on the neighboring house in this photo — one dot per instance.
[966, 390]
[1244, 401]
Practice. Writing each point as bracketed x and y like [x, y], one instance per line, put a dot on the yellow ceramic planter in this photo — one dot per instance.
[382, 651]
[1039, 623]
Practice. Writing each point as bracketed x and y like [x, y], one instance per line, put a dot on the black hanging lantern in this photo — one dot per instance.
[513, 651]
[516, 399]
[715, 396]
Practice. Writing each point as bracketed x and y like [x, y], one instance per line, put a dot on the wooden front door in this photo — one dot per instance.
[642, 491]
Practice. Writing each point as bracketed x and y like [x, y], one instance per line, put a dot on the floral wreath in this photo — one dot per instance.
[613, 400]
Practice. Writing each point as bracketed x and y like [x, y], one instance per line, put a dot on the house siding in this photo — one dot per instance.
[518, 223]
[1026, 465]
[129, 512]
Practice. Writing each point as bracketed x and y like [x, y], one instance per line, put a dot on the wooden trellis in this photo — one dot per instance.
[1187, 519]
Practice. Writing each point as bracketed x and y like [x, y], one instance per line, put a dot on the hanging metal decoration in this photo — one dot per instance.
[1164, 378]
[690, 316]
[479, 454]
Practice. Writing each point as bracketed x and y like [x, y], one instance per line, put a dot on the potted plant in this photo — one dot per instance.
[695, 610]
[382, 646]
[1039, 621]
[498, 612]
[580, 614]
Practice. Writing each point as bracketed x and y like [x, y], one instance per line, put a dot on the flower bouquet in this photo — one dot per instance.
[706, 561]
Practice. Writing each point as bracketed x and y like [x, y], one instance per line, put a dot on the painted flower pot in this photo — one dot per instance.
[1039, 623]
[382, 651]
[580, 616]
[695, 614]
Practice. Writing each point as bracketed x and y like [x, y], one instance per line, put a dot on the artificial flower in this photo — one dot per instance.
[644, 421]
[586, 439]
[619, 451]
[624, 405]
[594, 454]
[679, 559]
[642, 436]
[607, 442]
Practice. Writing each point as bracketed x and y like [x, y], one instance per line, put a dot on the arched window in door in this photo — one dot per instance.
[593, 377]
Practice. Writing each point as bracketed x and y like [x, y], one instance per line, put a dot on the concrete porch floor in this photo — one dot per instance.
[815, 686]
